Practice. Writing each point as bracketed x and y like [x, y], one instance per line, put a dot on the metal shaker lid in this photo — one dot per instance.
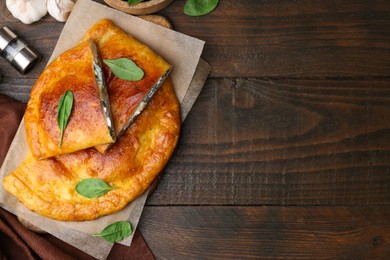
[25, 60]
[6, 36]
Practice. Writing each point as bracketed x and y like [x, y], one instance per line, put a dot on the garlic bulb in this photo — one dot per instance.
[27, 11]
[60, 9]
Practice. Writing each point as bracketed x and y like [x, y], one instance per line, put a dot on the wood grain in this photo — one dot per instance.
[284, 38]
[295, 114]
[263, 39]
[260, 140]
[283, 142]
[267, 232]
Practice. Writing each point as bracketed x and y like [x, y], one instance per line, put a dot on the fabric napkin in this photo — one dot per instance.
[18, 242]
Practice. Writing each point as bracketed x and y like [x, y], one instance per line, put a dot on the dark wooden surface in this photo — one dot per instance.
[286, 152]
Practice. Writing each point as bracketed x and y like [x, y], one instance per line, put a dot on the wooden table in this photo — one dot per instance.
[286, 152]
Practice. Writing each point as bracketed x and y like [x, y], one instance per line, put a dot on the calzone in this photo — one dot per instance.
[87, 125]
[47, 186]
[125, 95]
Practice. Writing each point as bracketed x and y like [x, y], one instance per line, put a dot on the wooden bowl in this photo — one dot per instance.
[147, 7]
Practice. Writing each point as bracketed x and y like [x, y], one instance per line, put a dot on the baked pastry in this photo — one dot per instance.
[125, 95]
[47, 186]
[87, 125]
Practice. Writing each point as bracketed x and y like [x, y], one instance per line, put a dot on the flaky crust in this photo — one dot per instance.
[48, 186]
[87, 127]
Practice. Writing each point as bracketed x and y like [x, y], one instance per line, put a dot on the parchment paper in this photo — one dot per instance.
[188, 76]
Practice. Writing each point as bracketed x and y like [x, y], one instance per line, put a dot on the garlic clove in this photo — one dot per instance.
[60, 9]
[27, 11]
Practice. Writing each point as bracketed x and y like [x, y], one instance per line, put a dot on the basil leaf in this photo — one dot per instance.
[125, 69]
[133, 2]
[63, 112]
[116, 231]
[199, 7]
[92, 188]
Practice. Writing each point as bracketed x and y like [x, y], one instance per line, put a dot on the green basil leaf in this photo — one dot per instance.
[116, 231]
[125, 69]
[64, 110]
[92, 188]
[133, 2]
[199, 7]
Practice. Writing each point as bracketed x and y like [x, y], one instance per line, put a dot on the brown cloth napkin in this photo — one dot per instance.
[18, 242]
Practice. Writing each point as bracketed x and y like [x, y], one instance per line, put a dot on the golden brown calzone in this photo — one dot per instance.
[87, 125]
[125, 95]
[47, 186]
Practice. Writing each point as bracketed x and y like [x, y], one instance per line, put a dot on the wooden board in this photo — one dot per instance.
[267, 232]
[292, 38]
[283, 142]
[296, 112]
[142, 8]
[251, 38]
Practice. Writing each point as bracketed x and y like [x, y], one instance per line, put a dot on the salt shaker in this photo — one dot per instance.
[17, 51]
